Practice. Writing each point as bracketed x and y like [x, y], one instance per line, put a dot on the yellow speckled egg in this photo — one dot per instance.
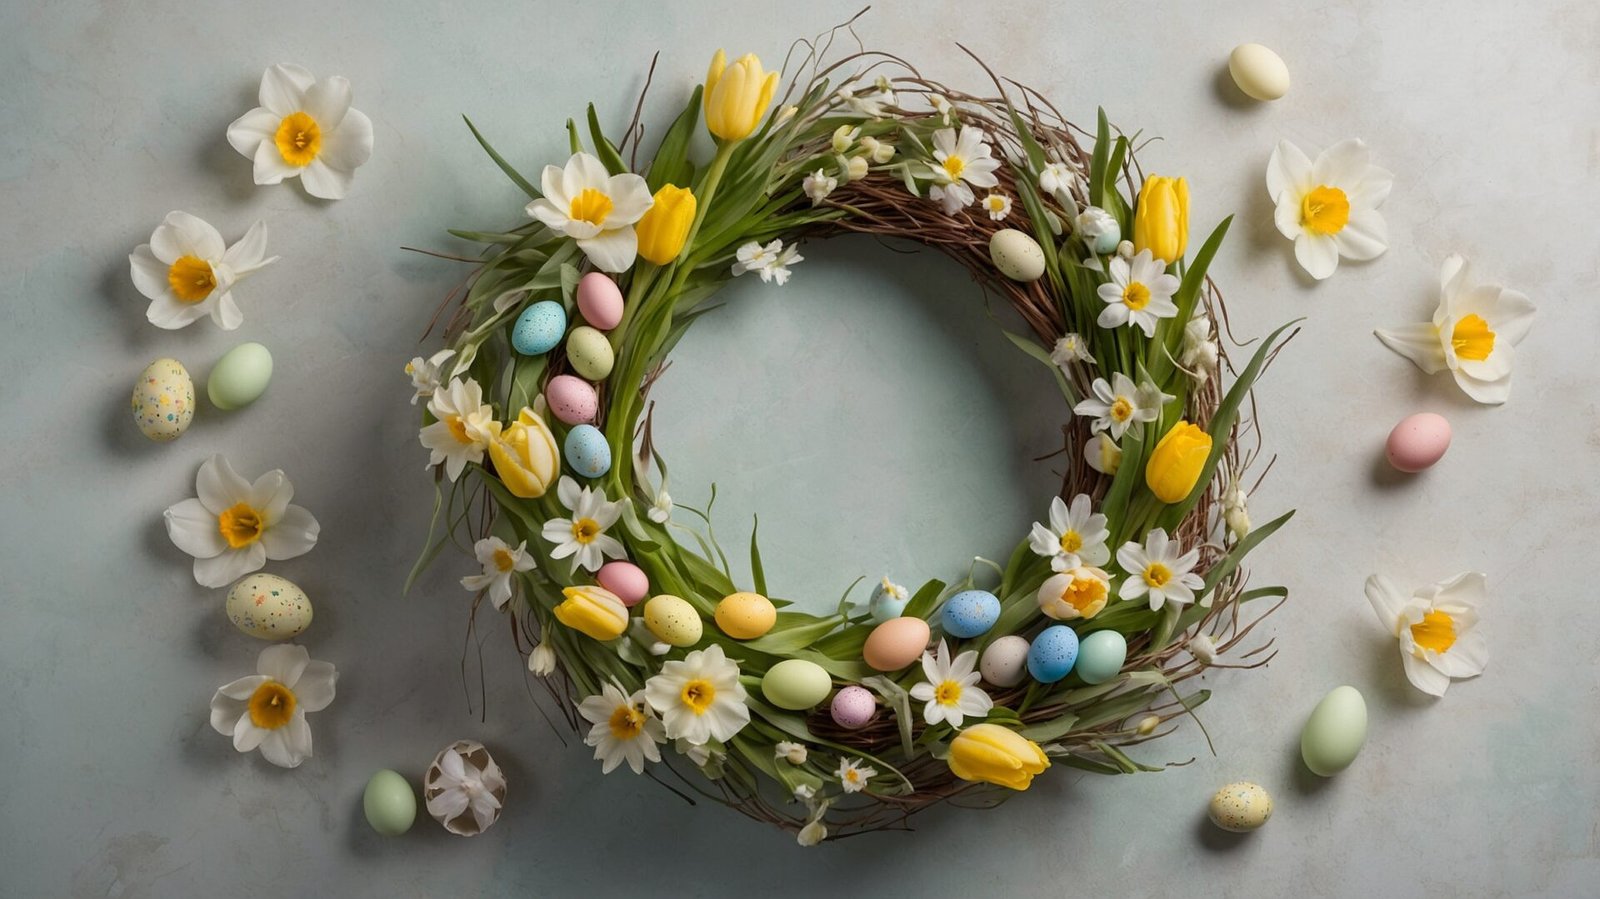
[268, 607]
[673, 620]
[1240, 807]
[590, 353]
[746, 616]
[163, 400]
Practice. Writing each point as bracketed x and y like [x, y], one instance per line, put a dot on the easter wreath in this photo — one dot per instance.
[850, 721]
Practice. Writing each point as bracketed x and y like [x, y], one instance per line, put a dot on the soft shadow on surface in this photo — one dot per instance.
[217, 160]
[1214, 839]
[1228, 94]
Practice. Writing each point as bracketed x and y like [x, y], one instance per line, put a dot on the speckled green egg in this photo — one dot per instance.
[268, 607]
[590, 353]
[163, 400]
[390, 803]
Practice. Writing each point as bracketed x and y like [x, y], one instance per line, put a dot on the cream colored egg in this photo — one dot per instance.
[1258, 71]
[1240, 807]
[163, 400]
[268, 607]
[1017, 255]
[673, 620]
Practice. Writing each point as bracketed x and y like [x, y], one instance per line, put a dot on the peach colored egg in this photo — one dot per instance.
[600, 301]
[626, 580]
[895, 643]
[1418, 441]
[573, 400]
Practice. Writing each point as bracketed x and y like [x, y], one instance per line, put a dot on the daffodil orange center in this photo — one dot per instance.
[1121, 409]
[504, 560]
[626, 722]
[191, 279]
[954, 166]
[271, 705]
[947, 693]
[1436, 631]
[1136, 296]
[299, 139]
[1324, 210]
[698, 695]
[1084, 592]
[591, 206]
[1157, 574]
[585, 530]
[458, 428]
[1472, 339]
[1071, 541]
[241, 525]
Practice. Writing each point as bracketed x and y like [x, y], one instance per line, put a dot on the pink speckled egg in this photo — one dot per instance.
[1418, 441]
[853, 707]
[626, 580]
[573, 400]
[600, 301]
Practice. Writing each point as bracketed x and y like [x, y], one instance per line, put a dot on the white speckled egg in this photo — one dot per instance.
[1258, 71]
[1017, 255]
[587, 452]
[268, 607]
[590, 353]
[1240, 807]
[1005, 662]
[163, 400]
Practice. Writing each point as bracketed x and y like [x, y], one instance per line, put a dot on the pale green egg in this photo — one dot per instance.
[390, 803]
[1100, 656]
[590, 353]
[1335, 732]
[796, 684]
[240, 376]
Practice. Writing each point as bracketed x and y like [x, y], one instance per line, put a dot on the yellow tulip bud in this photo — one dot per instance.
[737, 96]
[595, 611]
[1175, 463]
[1161, 223]
[525, 455]
[993, 754]
[665, 225]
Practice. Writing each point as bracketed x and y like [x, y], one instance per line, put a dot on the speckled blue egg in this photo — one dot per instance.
[587, 451]
[1053, 653]
[970, 613]
[539, 328]
[1100, 656]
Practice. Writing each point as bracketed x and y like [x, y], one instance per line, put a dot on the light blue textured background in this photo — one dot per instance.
[869, 411]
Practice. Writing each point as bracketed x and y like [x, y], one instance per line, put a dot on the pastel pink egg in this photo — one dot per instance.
[600, 301]
[1418, 441]
[572, 399]
[853, 707]
[626, 580]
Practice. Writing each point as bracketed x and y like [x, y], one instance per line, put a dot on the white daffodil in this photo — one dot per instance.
[660, 507]
[699, 698]
[1057, 179]
[843, 137]
[464, 428]
[960, 164]
[187, 273]
[306, 128]
[1329, 207]
[804, 793]
[542, 661]
[1436, 626]
[879, 151]
[951, 689]
[462, 786]
[1079, 592]
[998, 206]
[1098, 230]
[234, 526]
[870, 103]
[583, 536]
[818, 185]
[942, 107]
[1075, 536]
[790, 751]
[1118, 405]
[595, 208]
[853, 775]
[771, 262]
[425, 374]
[1160, 570]
[625, 729]
[1103, 454]
[1474, 333]
[1140, 294]
[500, 566]
[1070, 348]
[267, 710]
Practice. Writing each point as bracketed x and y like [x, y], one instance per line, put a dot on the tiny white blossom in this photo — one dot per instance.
[818, 185]
[771, 262]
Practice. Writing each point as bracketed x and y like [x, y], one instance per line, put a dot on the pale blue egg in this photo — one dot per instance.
[885, 605]
[539, 328]
[587, 451]
[970, 613]
[1100, 656]
[1051, 656]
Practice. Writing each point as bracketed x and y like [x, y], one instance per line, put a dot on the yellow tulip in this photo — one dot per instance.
[525, 455]
[1161, 224]
[1175, 463]
[665, 225]
[595, 611]
[993, 754]
[737, 96]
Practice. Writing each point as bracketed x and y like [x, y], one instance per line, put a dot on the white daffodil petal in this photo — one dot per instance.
[149, 273]
[324, 181]
[1289, 169]
[283, 88]
[228, 567]
[181, 234]
[1418, 342]
[246, 736]
[1513, 316]
[167, 313]
[1467, 657]
[1364, 237]
[270, 495]
[1286, 216]
[611, 251]
[292, 535]
[315, 688]
[270, 167]
[226, 313]
[1489, 392]
[251, 130]
[1317, 254]
[193, 529]
[1423, 676]
[1387, 600]
[226, 712]
[327, 101]
[351, 145]
[249, 251]
[240, 690]
[1344, 163]
[218, 486]
[283, 663]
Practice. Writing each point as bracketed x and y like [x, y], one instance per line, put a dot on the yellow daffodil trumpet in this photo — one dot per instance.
[737, 95]
[989, 753]
[1176, 462]
[1161, 222]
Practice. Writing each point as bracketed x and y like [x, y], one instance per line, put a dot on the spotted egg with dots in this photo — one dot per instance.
[539, 328]
[970, 613]
[574, 401]
[268, 607]
[1053, 654]
[163, 400]
[587, 452]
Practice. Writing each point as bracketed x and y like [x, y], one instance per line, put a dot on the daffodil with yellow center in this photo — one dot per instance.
[1138, 294]
[1160, 570]
[1436, 627]
[234, 526]
[595, 208]
[623, 728]
[464, 426]
[583, 536]
[267, 710]
[1118, 404]
[187, 272]
[961, 161]
[1329, 207]
[951, 691]
[306, 129]
[1074, 535]
[500, 564]
[1076, 593]
[699, 698]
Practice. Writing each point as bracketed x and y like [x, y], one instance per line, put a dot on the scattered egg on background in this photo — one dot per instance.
[1258, 71]
[896, 643]
[389, 803]
[240, 376]
[268, 607]
[539, 328]
[853, 707]
[1240, 807]
[586, 451]
[590, 353]
[163, 400]
[745, 616]
[970, 613]
[673, 620]
[600, 301]
[574, 401]
[1335, 732]
[1418, 441]
[796, 684]
[1004, 662]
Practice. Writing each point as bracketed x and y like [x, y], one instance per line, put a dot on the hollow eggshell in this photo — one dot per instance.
[1052, 654]
[796, 684]
[746, 616]
[586, 451]
[883, 604]
[1004, 662]
[970, 613]
[1240, 807]
[1418, 441]
[163, 400]
[573, 400]
[539, 328]
[268, 607]
[673, 620]
[1258, 71]
[625, 579]
[896, 643]
[590, 353]
[1335, 732]
[853, 707]
[600, 301]
[1100, 656]
[1017, 255]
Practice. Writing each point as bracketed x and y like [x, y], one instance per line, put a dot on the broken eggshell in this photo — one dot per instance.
[464, 789]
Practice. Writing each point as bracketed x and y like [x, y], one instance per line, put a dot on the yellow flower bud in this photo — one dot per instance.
[737, 96]
[665, 225]
[993, 754]
[1161, 224]
[1175, 463]
[595, 611]
[525, 455]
